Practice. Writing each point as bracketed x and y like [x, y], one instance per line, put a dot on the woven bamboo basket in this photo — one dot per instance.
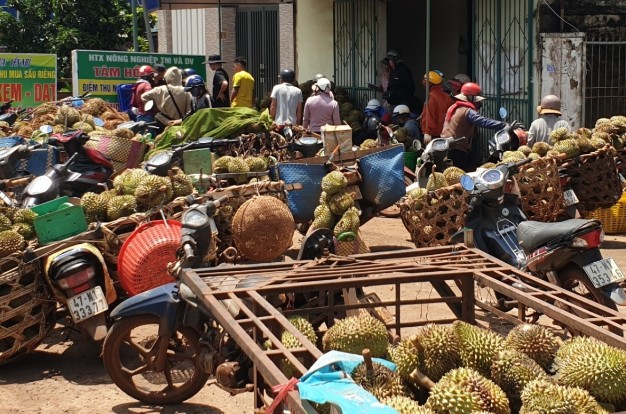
[27, 310]
[540, 190]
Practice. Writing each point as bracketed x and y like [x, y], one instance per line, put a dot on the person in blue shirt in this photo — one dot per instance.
[404, 119]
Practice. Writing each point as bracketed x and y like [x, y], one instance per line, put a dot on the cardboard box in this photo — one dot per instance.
[337, 135]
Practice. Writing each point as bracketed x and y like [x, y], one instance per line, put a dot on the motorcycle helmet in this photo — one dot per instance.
[146, 71]
[433, 77]
[401, 110]
[462, 78]
[470, 91]
[372, 105]
[193, 81]
[372, 124]
[323, 84]
[287, 75]
[550, 104]
[188, 72]
[393, 55]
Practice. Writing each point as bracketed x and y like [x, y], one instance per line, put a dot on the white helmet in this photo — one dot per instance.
[323, 84]
[373, 104]
[401, 110]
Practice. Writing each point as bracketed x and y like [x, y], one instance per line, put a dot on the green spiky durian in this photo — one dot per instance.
[256, 164]
[542, 396]
[349, 222]
[66, 115]
[379, 380]
[405, 356]
[597, 143]
[604, 136]
[324, 198]
[121, 206]
[324, 218]
[536, 341]
[440, 350]
[108, 195]
[154, 191]
[5, 223]
[541, 148]
[83, 126]
[356, 333]
[291, 342]
[569, 147]
[340, 202]
[513, 156]
[488, 165]
[512, 370]
[26, 230]
[181, 183]
[436, 180]
[594, 366]
[405, 405]
[552, 153]
[368, 143]
[453, 175]
[126, 183]
[333, 182]
[238, 165]
[24, 215]
[534, 156]
[585, 144]
[95, 207]
[477, 346]
[452, 398]
[488, 395]
[525, 149]
[221, 164]
[417, 193]
[10, 242]
[559, 134]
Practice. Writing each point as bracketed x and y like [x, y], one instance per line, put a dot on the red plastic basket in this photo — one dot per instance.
[142, 262]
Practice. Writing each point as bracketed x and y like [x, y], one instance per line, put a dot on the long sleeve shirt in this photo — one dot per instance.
[434, 112]
[320, 110]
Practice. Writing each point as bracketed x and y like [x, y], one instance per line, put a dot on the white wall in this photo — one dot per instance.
[314, 39]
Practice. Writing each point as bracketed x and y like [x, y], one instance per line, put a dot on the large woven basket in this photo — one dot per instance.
[27, 310]
[540, 190]
[123, 152]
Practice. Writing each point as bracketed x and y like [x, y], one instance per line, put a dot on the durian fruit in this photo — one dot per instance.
[324, 218]
[291, 342]
[440, 351]
[121, 206]
[525, 149]
[604, 136]
[541, 148]
[10, 242]
[534, 156]
[377, 379]
[24, 215]
[221, 164]
[405, 356]
[333, 182]
[368, 143]
[256, 164]
[95, 207]
[349, 222]
[536, 341]
[584, 144]
[542, 396]
[552, 153]
[238, 165]
[597, 143]
[401, 134]
[417, 193]
[452, 398]
[558, 134]
[477, 346]
[453, 175]
[512, 370]
[569, 147]
[123, 133]
[513, 156]
[487, 394]
[126, 183]
[340, 202]
[66, 115]
[153, 191]
[405, 405]
[181, 183]
[109, 194]
[356, 333]
[44, 109]
[436, 180]
[26, 230]
[594, 366]
[488, 165]
[5, 223]
[83, 126]
[324, 198]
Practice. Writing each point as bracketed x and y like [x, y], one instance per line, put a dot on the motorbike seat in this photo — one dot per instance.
[533, 234]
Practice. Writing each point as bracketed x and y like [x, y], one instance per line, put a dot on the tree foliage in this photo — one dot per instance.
[60, 26]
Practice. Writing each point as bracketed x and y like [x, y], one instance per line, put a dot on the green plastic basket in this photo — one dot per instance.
[410, 160]
[52, 224]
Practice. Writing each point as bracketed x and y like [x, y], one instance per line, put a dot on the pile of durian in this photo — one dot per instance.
[242, 166]
[462, 368]
[16, 229]
[135, 190]
[336, 210]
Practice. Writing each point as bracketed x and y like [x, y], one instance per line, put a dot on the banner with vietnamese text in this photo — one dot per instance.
[29, 79]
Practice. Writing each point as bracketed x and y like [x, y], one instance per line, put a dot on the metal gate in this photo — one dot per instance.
[502, 61]
[355, 47]
[257, 41]
[605, 90]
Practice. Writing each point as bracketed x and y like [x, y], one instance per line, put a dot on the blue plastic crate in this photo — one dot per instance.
[124, 96]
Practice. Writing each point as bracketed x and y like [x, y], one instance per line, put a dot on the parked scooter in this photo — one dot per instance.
[435, 155]
[9, 158]
[565, 253]
[165, 344]
[85, 170]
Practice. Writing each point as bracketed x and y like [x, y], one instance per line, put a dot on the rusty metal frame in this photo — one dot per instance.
[457, 263]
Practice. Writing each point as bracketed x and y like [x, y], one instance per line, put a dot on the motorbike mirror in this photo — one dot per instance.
[148, 105]
[46, 129]
[467, 182]
[503, 112]
[98, 122]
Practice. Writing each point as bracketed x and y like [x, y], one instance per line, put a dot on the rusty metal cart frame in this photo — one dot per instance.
[458, 264]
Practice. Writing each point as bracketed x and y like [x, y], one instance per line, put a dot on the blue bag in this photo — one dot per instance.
[382, 175]
[302, 203]
[8, 142]
[41, 160]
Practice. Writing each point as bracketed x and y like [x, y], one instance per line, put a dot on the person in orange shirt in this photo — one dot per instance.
[434, 112]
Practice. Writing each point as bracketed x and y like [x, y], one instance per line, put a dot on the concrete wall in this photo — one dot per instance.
[314, 39]
[589, 16]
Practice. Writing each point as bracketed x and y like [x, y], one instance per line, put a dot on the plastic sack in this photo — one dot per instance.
[382, 175]
[302, 203]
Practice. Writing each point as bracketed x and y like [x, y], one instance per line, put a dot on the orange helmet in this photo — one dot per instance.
[146, 70]
[471, 89]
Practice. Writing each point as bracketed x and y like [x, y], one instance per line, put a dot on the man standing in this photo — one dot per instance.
[243, 85]
[287, 103]
[434, 111]
[401, 87]
[220, 82]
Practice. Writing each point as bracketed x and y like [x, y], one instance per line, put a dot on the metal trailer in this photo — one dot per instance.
[454, 271]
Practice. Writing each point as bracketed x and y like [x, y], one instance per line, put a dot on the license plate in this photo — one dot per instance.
[570, 198]
[604, 272]
[87, 304]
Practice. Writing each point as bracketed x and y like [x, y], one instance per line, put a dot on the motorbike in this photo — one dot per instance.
[433, 159]
[565, 253]
[85, 170]
[165, 344]
[9, 158]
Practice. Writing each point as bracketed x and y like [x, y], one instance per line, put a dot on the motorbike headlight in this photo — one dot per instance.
[39, 185]
[195, 219]
[160, 159]
[440, 145]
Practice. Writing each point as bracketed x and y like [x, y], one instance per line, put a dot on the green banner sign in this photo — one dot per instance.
[102, 72]
[28, 79]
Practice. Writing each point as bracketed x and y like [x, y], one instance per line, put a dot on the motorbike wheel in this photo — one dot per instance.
[575, 280]
[129, 353]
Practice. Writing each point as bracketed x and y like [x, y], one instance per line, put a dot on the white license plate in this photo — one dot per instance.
[570, 198]
[87, 304]
[604, 272]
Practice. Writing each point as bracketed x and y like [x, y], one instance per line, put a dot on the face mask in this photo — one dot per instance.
[196, 92]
